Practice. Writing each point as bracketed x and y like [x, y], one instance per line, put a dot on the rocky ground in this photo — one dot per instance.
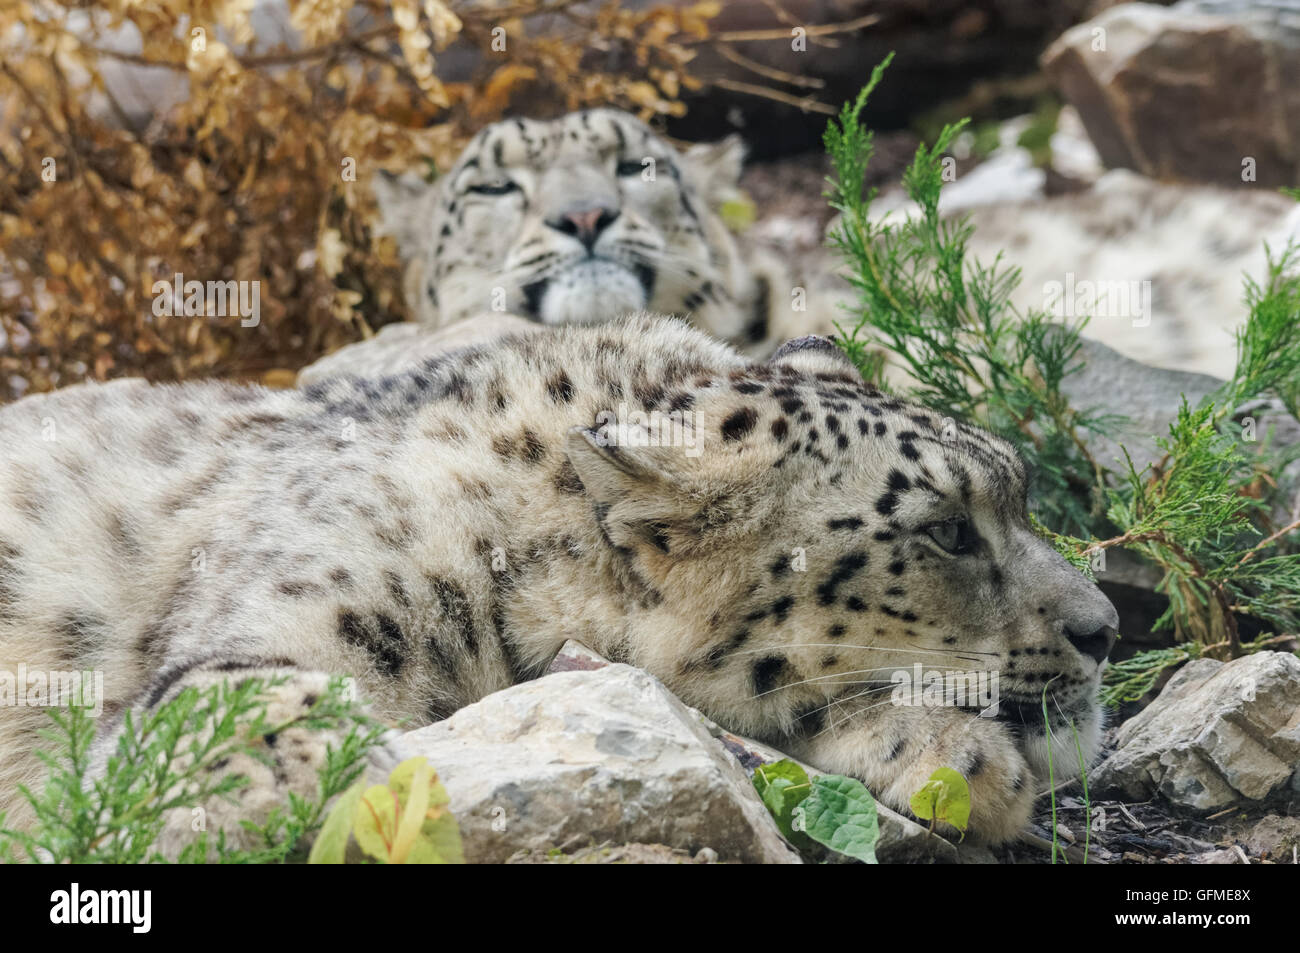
[597, 762]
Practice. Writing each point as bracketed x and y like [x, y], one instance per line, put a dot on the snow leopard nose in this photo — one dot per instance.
[1095, 644]
[584, 224]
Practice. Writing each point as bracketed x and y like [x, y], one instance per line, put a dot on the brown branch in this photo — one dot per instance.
[1264, 543]
[282, 58]
[790, 20]
[804, 103]
[743, 36]
[1216, 587]
[781, 76]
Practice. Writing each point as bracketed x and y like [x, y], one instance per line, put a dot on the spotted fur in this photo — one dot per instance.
[439, 533]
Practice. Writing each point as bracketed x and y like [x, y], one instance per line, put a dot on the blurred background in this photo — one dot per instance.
[235, 140]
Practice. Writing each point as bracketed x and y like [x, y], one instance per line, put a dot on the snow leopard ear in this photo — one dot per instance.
[814, 354]
[636, 497]
[716, 167]
[401, 212]
[610, 472]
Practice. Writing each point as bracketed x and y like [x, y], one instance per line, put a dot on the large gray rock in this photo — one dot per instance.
[585, 757]
[1138, 73]
[902, 841]
[1219, 735]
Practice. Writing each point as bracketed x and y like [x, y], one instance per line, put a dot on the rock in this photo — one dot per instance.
[1274, 837]
[1219, 735]
[580, 758]
[975, 854]
[902, 841]
[1138, 71]
[1008, 175]
[1149, 397]
[621, 854]
[1217, 857]
[1107, 382]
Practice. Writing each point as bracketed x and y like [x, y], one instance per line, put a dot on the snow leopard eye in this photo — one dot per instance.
[493, 188]
[955, 536]
[627, 167]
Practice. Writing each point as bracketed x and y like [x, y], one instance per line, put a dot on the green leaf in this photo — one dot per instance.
[439, 841]
[375, 825]
[945, 797]
[782, 785]
[438, 838]
[332, 841]
[413, 777]
[841, 813]
[738, 213]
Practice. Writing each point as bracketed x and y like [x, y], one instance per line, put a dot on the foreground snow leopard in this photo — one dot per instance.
[439, 534]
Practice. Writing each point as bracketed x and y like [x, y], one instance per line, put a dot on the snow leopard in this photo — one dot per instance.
[579, 219]
[776, 540]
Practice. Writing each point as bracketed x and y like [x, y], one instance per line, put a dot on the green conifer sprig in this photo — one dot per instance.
[1202, 513]
[168, 760]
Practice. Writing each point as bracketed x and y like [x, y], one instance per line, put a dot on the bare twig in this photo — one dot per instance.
[1266, 542]
[781, 76]
[1073, 854]
[805, 103]
[744, 36]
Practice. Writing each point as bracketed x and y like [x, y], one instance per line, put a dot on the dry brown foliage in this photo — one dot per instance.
[247, 177]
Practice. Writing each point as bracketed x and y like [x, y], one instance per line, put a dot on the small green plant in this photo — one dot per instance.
[945, 797]
[407, 821]
[1087, 799]
[949, 321]
[1051, 783]
[830, 809]
[1201, 513]
[169, 759]
[1051, 775]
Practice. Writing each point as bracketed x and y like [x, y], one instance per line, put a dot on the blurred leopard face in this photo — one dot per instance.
[576, 221]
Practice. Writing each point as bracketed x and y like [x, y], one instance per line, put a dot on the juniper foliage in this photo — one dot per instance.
[1203, 514]
[164, 762]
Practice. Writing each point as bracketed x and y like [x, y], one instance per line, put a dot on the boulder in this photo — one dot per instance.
[1220, 734]
[902, 841]
[1138, 72]
[1274, 836]
[580, 758]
